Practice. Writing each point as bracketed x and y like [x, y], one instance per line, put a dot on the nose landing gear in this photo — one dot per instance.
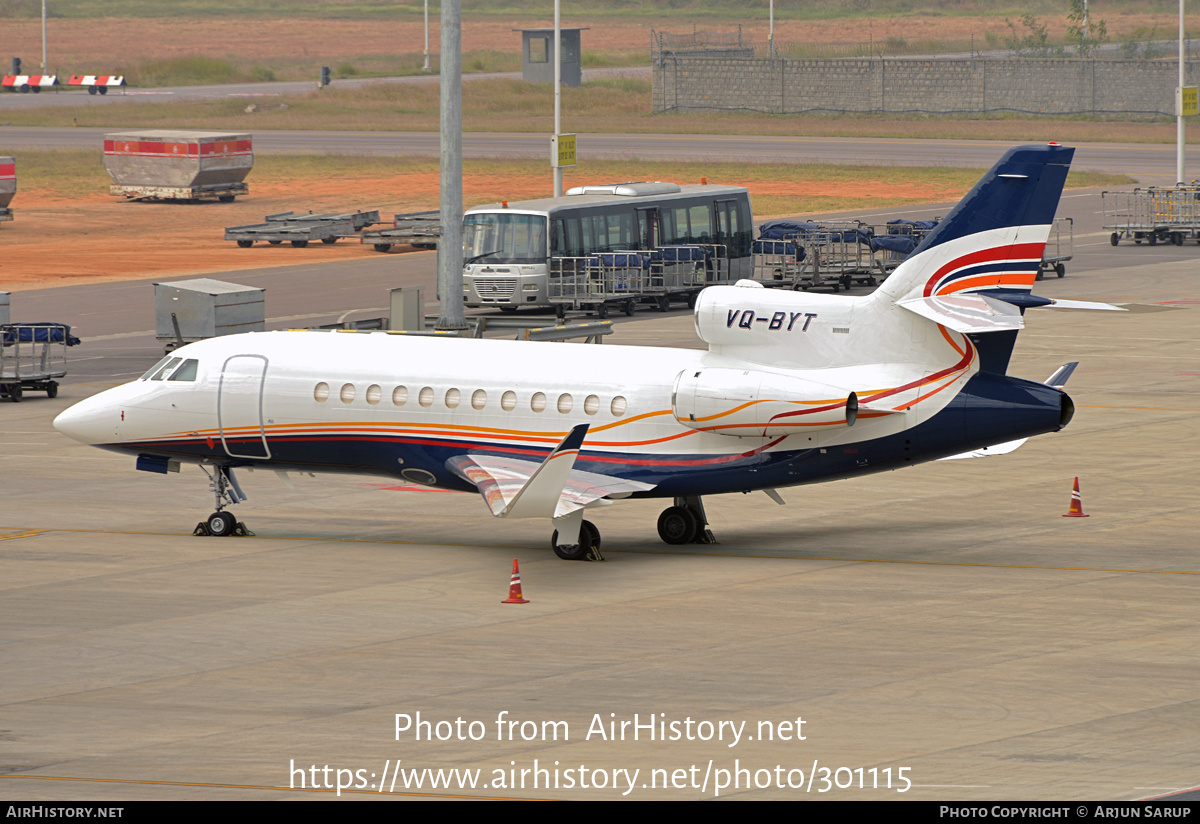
[227, 492]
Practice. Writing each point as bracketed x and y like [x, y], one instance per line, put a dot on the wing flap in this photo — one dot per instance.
[513, 488]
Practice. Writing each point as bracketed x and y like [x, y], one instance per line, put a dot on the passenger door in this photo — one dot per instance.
[239, 407]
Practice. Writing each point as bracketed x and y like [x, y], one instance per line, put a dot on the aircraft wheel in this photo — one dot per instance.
[677, 525]
[589, 541]
[1114, 238]
[221, 524]
[245, 244]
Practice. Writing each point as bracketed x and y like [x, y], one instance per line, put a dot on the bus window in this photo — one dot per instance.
[504, 238]
[701, 224]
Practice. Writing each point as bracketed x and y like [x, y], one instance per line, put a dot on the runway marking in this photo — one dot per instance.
[29, 533]
[136, 781]
[1144, 408]
[671, 552]
[901, 561]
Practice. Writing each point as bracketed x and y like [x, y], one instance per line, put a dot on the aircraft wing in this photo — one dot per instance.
[514, 488]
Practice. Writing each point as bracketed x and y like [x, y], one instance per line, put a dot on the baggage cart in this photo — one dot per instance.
[1060, 248]
[419, 229]
[32, 357]
[299, 229]
[1153, 214]
[598, 283]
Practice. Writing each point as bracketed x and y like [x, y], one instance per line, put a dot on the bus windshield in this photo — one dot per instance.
[504, 237]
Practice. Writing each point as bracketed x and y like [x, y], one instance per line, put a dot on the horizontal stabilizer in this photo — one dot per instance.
[1059, 303]
[513, 488]
[967, 313]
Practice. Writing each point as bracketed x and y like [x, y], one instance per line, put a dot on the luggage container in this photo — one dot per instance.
[32, 356]
[178, 165]
[190, 310]
[8, 186]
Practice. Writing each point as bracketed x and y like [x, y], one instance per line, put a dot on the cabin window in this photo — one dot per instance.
[508, 401]
[479, 399]
[186, 372]
[347, 394]
[400, 395]
[564, 403]
[538, 402]
[426, 396]
[453, 397]
[618, 406]
[321, 392]
[591, 405]
[374, 394]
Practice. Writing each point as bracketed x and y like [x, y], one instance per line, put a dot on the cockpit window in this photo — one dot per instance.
[162, 373]
[155, 368]
[186, 372]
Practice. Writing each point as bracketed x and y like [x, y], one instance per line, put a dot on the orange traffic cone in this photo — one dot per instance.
[1076, 503]
[514, 588]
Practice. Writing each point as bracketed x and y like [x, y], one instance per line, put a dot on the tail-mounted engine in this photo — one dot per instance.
[753, 403]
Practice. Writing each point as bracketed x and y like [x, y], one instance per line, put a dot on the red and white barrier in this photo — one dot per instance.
[28, 82]
[97, 80]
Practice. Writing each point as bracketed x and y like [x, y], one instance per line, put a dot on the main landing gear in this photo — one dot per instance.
[587, 548]
[685, 523]
[227, 492]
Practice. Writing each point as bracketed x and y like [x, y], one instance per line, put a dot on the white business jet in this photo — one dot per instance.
[794, 388]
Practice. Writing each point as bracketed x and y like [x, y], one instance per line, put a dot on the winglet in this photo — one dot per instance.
[541, 494]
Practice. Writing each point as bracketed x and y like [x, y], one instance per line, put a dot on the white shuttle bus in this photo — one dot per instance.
[507, 247]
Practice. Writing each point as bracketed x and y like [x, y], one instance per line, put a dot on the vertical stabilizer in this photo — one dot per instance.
[993, 240]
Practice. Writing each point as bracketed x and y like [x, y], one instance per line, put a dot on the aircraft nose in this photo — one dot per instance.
[91, 421]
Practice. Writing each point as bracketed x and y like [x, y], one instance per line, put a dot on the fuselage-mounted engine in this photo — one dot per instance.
[756, 403]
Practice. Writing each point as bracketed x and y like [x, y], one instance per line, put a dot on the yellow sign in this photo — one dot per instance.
[562, 150]
[1187, 101]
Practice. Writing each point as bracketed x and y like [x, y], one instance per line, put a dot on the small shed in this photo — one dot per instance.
[537, 62]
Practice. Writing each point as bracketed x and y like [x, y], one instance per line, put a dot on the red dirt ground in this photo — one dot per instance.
[93, 238]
